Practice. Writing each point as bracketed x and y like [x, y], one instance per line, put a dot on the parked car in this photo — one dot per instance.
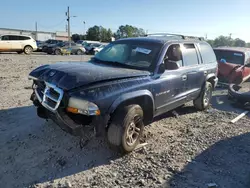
[235, 55]
[232, 55]
[51, 48]
[17, 43]
[97, 49]
[44, 45]
[124, 86]
[90, 47]
[77, 49]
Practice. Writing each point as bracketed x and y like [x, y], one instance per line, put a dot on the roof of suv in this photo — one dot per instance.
[161, 40]
[239, 49]
[16, 35]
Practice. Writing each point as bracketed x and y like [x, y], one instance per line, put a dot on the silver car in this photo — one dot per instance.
[77, 49]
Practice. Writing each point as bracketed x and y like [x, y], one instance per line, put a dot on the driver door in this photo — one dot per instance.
[170, 87]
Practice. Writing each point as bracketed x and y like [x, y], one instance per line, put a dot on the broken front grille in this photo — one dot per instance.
[50, 96]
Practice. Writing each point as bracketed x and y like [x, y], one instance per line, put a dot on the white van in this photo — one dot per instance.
[17, 43]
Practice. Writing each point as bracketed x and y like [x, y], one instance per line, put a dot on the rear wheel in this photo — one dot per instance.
[28, 50]
[57, 52]
[203, 101]
[126, 128]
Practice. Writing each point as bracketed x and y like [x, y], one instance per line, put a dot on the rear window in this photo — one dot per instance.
[207, 53]
[230, 56]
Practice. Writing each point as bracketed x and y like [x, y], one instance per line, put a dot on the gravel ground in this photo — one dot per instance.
[185, 149]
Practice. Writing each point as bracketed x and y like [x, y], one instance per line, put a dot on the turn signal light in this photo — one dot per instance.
[72, 110]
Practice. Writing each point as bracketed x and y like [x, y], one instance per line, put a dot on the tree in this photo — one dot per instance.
[99, 33]
[239, 43]
[93, 33]
[75, 37]
[248, 45]
[125, 31]
[223, 41]
[211, 42]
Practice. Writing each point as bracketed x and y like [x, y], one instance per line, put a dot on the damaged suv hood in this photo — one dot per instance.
[70, 75]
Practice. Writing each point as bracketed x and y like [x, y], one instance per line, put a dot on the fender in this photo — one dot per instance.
[210, 76]
[214, 77]
[128, 96]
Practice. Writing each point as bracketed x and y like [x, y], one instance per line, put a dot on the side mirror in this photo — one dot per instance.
[161, 69]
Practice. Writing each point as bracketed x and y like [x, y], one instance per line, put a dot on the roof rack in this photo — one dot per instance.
[173, 35]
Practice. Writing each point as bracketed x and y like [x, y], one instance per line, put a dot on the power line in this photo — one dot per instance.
[48, 27]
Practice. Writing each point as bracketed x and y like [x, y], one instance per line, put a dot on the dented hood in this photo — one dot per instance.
[69, 75]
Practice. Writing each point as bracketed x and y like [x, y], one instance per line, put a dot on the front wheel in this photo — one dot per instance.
[126, 128]
[58, 52]
[79, 52]
[203, 101]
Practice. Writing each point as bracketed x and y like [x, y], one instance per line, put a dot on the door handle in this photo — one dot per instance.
[184, 77]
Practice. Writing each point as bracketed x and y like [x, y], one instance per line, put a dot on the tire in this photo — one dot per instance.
[58, 52]
[126, 120]
[28, 50]
[203, 101]
[79, 52]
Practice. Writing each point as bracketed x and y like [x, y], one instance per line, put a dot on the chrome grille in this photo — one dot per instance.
[50, 97]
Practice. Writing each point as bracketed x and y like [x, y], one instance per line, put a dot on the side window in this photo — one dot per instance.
[190, 56]
[5, 37]
[173, 58]
[207, 53]
[73, 44]
[23, 38]
[13, 37]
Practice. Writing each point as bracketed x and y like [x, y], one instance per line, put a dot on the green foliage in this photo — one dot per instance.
[75, 37]
[223, 41]
[211, 42]
[125, 31]
[227, 41]
[99, 33]
[238, 42]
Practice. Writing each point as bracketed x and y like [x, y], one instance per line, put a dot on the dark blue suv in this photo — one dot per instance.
[125, 85]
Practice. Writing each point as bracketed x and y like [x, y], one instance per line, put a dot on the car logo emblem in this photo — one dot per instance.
[52, 73]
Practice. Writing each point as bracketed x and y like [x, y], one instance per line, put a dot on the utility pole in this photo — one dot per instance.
[68, 19]
[230, 35]
[36, 30]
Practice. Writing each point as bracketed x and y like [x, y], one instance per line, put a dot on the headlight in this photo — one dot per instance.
[79, 106]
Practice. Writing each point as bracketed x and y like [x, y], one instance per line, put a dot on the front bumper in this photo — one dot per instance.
[66, 123]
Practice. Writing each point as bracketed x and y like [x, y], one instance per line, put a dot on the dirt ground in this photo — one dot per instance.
[187, 149]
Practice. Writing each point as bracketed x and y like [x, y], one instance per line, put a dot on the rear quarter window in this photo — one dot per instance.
[23, 38]
[207, 53]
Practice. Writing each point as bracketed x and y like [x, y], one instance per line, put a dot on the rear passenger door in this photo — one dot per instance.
[16, 43]
[194, 71]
